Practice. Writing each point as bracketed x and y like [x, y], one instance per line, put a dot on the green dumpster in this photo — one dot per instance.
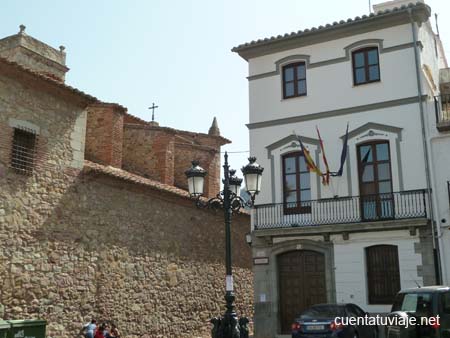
[32, 328]
[4, 328]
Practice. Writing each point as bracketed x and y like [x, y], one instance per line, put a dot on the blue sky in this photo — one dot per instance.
[175, 53]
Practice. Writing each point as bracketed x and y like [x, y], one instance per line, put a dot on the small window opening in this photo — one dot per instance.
[23, 150]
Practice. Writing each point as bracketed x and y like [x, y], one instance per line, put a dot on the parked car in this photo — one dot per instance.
[324, 321]
[425, 302]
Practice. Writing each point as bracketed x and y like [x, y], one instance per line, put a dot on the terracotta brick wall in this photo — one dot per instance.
[209, 160]
[163, 151]
[213, 180]
[205, 149]
[149, 152]
[104, 135]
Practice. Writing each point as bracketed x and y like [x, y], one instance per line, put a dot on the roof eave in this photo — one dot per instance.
[118, 107]
[7, 66]
[142, 124]
[420, 13]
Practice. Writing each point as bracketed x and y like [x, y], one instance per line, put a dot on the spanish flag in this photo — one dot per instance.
[308, 159]
[326, 176]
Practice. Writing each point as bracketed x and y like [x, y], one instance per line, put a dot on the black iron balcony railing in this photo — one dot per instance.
[442, 108]
[341, 210]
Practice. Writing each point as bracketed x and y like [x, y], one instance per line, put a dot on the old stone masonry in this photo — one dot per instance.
[95, 219]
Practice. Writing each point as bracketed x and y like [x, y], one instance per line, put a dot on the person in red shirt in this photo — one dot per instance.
[99, 332]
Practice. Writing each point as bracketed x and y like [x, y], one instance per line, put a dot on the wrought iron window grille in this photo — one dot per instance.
[23, 151]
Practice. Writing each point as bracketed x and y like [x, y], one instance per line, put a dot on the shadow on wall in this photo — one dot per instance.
[100, 211]
[149, 261]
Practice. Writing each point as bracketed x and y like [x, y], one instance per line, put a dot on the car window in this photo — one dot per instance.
[350, 311]
[419, 303]
[359, 311]
[323, 311]
[398, 301]
[445, 301]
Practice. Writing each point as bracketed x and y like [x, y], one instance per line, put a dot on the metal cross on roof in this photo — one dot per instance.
[153, 107]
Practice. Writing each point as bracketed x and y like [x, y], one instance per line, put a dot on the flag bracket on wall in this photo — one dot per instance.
[448, 189]
[312, 166]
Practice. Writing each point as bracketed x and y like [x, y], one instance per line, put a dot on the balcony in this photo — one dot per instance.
[442, 108]
[342, 210]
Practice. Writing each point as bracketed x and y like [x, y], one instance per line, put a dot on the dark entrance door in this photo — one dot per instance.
[301, 280]
[375, 181]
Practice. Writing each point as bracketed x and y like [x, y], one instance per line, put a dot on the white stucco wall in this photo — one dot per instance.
[330, 86]
[331, 49]
[438, 144]
[405, 117]
[440, 157]
[351, 272]
[429, 57]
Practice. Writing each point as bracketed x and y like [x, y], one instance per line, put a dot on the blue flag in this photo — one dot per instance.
[343, 155]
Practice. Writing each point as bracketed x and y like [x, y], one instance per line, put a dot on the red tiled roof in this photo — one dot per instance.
[137, 179]
[330, 27]
[117, 106]
[140, 123]
[133, 178]
[135, 119]
[54, 82]
[93, 100]
[47, 79]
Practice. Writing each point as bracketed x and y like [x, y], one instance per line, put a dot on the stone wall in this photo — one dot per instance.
[34, 55]
[76, 243]
[57, 118]
[153, 263]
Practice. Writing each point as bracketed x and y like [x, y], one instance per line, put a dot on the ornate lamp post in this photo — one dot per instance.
[227, 326]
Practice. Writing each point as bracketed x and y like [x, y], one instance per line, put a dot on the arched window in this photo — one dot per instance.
[296, 184]
[366, 65]
[383, 274]
[294, 80]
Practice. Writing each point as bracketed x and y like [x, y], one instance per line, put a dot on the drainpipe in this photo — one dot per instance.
[434, 229]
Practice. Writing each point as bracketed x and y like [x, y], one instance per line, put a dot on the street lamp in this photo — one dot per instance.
[252, 174]
[229, 200]
[196, 179]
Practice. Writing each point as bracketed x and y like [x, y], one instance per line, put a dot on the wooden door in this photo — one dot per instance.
[297, 184]
[301, 284]
[375, 181]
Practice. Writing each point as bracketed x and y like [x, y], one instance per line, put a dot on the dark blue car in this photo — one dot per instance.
[330, 321]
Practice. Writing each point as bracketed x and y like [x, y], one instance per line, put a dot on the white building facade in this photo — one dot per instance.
[381, 226]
